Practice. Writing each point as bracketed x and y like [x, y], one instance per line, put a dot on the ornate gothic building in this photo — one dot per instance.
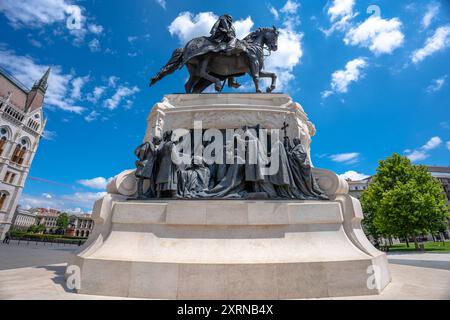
[21, 128]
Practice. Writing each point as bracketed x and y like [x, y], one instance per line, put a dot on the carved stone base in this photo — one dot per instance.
[231, 249]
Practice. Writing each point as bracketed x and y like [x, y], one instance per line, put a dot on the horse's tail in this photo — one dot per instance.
[174, 63]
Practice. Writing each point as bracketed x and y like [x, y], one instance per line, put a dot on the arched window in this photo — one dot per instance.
[19, 152]
[3, 196]
[4, 135]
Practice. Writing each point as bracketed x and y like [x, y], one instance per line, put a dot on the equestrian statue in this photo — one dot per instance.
[222, 57]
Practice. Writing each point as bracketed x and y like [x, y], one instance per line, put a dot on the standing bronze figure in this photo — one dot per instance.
[211, 60]
[145, 167]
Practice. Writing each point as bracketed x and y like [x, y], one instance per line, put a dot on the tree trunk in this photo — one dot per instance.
[416, 244]
[407, 241]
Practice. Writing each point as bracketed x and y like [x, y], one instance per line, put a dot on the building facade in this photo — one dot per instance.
[21, 128]
[356, 188]
[23, 219]
[81, 225]
[47, 218]
[442, 174]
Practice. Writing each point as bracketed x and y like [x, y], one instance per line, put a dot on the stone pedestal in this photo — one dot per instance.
[230, 249]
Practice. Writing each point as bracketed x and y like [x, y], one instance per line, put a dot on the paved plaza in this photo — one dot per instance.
[30, 271]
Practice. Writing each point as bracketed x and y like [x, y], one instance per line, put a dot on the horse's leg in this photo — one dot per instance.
[254, 73]
[264, 74]
[232, 83]
[204, 74]
[192, 79]
[201, 85]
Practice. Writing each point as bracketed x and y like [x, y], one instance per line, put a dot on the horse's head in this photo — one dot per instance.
[264, 37]
[271, 38]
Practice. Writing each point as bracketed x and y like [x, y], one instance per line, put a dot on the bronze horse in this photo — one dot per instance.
[207, 64]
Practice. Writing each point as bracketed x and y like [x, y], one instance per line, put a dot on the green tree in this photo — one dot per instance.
[62, 222]
[403, 200]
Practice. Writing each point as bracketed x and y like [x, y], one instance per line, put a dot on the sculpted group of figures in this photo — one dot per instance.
[237, 179]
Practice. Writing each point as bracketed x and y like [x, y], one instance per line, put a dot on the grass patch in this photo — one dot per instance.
[430, 246]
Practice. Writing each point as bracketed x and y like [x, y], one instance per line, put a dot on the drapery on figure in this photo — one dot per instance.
[301, 171]
[195, 178]
[145, 167]
[167, 174]
[224, 34]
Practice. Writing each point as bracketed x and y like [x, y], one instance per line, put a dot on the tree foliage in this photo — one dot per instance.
[63, 221]
[403, 200]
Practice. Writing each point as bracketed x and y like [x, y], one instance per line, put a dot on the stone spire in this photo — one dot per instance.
[36, 95]
[42, 84]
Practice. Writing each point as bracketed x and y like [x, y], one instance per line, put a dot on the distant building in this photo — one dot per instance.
[23, 219]
[47, 218]
[356, 188]
[81, 225]
[21, 128]
[442, 174]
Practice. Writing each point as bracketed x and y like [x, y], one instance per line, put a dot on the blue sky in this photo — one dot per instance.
[372, 83]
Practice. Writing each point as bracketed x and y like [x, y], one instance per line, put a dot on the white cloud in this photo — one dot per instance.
[49, 135]
[430, 14]
[34, 13]
[348, 158]
[162, 3]
[290, 7]
[422, 152]
[439, 41]
[341, 79]
[353, 176]
[95, 29]
[433, 143]
[378, 34]
[96, 94]
[67, 202]
[77, 85]
[26, 70]
[132, 39]
[417, 155]
[122, 92]
[243, 27]
[188, 26]
[274, 12]
[340, 8]
[95, 183]
[42, 13]
[448, 145]
[112, 81]
[340, 14]
[437, 84]
[47, 195]
[94, 45]
[93, 115]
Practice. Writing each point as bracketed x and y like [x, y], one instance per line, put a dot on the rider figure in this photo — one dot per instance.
[224, 34]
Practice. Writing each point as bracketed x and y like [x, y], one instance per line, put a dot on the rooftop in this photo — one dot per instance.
[438, 169]
[14, 80]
